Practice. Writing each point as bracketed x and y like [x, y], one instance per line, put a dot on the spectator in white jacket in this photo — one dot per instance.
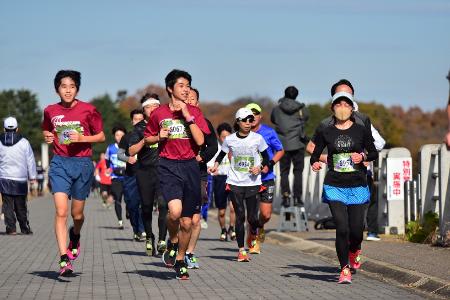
[17, 166]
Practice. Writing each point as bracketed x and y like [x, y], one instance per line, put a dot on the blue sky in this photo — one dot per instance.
[394, 52]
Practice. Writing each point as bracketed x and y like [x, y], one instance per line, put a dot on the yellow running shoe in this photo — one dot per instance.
[255, 247]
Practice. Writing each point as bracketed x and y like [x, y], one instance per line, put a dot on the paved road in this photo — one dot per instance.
[113, 266]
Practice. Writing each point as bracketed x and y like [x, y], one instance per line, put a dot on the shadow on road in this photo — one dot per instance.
[323, 269]
[330, 277]
[110, 227]
[135, 253]
[224, 249]
[158, 263]
[121, 239]
[154, 274]
[319, 277]
[54, 275]
[222, 257]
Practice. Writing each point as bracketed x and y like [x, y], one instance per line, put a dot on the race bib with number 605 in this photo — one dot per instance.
[244, 163]
[342, 162]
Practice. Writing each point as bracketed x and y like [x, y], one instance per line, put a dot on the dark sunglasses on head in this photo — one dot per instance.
[248, 119]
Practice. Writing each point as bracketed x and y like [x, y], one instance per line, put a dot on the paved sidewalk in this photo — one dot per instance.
[113, 266]
[415, 265]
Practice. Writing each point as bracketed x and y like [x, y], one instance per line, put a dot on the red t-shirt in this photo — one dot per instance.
[180, 145]
[104, 172]
[60, 120]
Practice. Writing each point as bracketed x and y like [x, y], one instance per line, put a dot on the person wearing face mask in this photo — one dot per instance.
[345, 85]
[346, 190]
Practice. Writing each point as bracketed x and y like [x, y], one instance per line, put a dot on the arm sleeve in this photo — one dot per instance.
[31, 163]
[121, 155]
[319, 141]
[208, 152]
[265, 160]
[378, 139]
[369, 146]
[220, 156]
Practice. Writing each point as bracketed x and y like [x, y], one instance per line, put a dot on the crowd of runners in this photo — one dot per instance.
[174, 161]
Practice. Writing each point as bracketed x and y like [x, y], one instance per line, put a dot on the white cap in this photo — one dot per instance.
[243, 112]
[10, 123]
[342, 95]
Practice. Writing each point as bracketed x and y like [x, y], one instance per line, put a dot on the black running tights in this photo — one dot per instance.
[244, 197]
[349, 220]
[148, 183]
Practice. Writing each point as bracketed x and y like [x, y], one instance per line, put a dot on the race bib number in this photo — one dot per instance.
[244, 163]
[342, 162]
[64, 131]
[177, 129]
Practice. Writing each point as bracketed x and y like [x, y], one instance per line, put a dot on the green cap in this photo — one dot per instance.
[254, 106]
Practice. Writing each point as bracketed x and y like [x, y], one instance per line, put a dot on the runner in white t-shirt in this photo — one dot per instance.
[244, 175]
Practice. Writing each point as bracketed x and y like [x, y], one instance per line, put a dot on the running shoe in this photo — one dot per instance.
[121, 224]
[161, 247]
[243, 256]
[191, 261]
[232, 233]
[139, 237]
[261, 235]
[255, 247]
[372, 237]
[73, 250]
[354, 259]
[170, 255]
[346, 276]
[223, 235]
[203, 224]
[150, 247]
[181, 270]
[65, 267]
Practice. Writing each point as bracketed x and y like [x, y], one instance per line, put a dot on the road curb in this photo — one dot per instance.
[406, 278]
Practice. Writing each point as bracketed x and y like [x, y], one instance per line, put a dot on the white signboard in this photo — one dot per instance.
[398, 170]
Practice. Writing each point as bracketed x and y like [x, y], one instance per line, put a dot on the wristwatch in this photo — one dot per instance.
[190, 121]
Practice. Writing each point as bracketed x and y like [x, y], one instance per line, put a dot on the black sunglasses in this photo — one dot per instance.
[248, 119]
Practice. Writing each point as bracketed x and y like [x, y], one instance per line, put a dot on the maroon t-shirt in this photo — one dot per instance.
[83, 118]
[179, 145]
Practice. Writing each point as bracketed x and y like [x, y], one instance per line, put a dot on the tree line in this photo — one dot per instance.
[400, 127]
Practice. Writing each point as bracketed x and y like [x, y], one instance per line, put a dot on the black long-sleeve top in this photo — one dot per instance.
[208, 150]
[342, 172]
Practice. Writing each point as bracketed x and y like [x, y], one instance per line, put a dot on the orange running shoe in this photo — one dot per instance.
[243, 256]
[346, 276]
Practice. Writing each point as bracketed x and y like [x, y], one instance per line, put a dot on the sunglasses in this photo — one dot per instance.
[250, 119]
